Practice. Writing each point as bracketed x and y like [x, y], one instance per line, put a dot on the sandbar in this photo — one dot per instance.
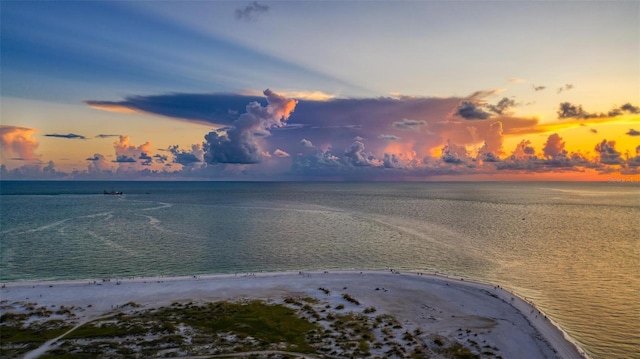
[454, 308]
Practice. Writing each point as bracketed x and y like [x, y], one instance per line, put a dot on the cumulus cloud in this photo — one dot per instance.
[130, 157]
[67, 136]
[280, 153]
[633, 132]
[454, 154]
[241, 143]
[390, 161]
[98, 164]
[608, 154]
[471, 111]
[187, 158]
[327, 138]
[18, 142]
[251, 11]
[356, 156]
[554, 146]
[306, 143]
[493, 139]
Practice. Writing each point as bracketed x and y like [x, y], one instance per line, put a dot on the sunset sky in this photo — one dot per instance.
[305, 90]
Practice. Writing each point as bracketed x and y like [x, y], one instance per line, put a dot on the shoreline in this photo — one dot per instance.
[410, 292]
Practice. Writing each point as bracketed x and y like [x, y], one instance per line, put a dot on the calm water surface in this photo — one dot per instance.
[571, 248]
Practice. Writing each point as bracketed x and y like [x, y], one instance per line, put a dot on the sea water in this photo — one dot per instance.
[571, 248]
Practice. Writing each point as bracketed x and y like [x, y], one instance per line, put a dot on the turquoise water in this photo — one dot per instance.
[571, 248]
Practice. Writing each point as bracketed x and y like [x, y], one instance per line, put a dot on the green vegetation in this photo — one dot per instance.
[351, 299]
[299, 325]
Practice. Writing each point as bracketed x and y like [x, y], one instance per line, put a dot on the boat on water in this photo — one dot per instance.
[113, 192]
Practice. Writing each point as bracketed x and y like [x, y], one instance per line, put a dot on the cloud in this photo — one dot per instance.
[127, 154]
[251, 11]
[68, 136]
[106, 136]
[608, 154]
[516, 80]
[593, 130]
[358, 138]
[124, 159]
[191, 158]
[633, 132]
[389, 137]
[98, 165]
[481, 111]
[538, 88]
[502, 105]
[493, 139]
[407, 124]
[32, 171]
[18, 142]
[471, 111]
[454, 154]
[566, 87]
[306, 143]
[554, 146]
[280, 153]
[241, 142]
[356, 156]
[569, 110]
[146, 160]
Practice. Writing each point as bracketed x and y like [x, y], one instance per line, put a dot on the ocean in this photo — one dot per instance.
[571, 248]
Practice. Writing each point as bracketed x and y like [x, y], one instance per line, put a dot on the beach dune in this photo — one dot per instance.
[431, 306]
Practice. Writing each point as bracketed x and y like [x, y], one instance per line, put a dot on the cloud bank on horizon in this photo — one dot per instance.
[387, 138]
[365, 90]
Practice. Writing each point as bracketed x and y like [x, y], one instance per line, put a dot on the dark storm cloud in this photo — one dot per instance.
[146, 159]
[481, 111]
[502, 106]
[161, 158]
[220, 109]
[240, 144]
[71, 136]
[471, 111]
[608, 153]
[569, 110]
[182, 157]
[251, 11]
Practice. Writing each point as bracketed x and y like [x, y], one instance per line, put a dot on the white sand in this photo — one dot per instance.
[435, 304]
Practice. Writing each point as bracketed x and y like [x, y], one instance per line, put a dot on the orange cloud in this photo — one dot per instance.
[111, 107]
[17, 142]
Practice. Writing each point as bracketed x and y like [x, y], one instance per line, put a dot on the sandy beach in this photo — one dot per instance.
[456, 309]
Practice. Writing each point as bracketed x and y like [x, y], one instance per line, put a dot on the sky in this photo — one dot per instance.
[320, 91]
